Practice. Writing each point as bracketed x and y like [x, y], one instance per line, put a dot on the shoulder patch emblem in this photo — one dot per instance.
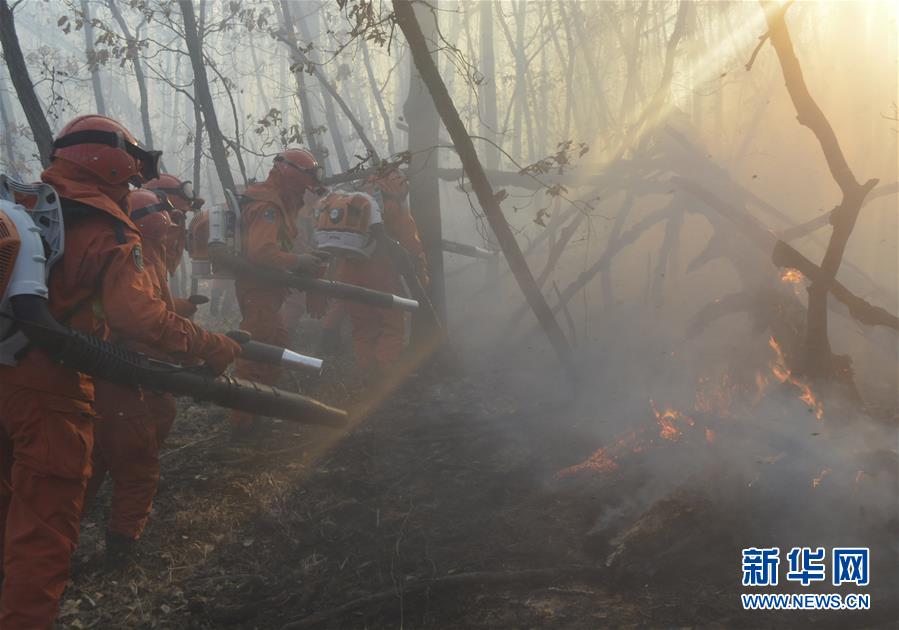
[138, 255]
[270, 214]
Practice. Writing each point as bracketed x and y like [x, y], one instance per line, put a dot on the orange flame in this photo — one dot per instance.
[667, 420]
[784, 375]
[761, 384]
[600, 461]
[817, 480]
[793, 276]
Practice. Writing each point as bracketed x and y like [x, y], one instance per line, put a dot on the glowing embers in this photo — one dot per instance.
[817, 480]
[793, 276]
[671, 424]
[784, 375]
[714, 398]
[668, 421]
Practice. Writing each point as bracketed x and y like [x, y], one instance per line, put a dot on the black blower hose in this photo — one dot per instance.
[88, 354]
[220, 257]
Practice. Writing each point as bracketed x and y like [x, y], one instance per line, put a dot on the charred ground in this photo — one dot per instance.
[444, 508]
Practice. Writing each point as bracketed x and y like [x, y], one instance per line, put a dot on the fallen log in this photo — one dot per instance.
[734, 190]
[860, 309]
[784, 255]
[804, 229]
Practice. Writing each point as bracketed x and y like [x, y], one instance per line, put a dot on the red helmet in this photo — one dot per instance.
[105, 148]
[299, 166]
[181, 194]
[150, 213]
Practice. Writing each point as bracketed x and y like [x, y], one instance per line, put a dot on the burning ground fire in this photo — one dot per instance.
[713, 402]
[784, 375]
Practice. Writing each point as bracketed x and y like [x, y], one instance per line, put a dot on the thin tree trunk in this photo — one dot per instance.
[379, 101]
[408, 23]
[424, 188]
[333, 123]
[7, 126]
[92, 58]
[487, 87]
[204, 96]
[260, 91]
[310, 133]
[18, 74]
[198, 122]
[139, 76]
[809, 114]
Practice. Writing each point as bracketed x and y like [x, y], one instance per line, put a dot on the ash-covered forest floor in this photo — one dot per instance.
[442, 508]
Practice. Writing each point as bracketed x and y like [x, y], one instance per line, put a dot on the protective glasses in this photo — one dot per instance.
[148, 161]
[185, 191]
[317, 173]
[163, 205]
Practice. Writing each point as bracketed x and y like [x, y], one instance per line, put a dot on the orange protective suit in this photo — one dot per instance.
[379, 334]
[132, 428]
[268, 230]
[46, 409]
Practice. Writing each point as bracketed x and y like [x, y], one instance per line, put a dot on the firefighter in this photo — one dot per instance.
[268, 230]
[182, 197]
[99, 286]
[134, 423]
[379, 334]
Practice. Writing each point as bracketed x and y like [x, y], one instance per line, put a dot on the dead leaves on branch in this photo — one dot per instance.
[368, 22]
[567, 151]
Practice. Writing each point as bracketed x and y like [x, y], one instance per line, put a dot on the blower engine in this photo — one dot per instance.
[344, 225]
[351, 225]
[217, 227]
[31, 241]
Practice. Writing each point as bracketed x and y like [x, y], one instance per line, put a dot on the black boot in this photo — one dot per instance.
[120, 550]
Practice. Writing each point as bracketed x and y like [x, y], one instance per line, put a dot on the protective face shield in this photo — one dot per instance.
[185, 190]
[312, 172]
[148, 161]
[154, 215]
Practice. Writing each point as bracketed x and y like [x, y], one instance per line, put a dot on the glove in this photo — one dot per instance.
[311, 263]
[316, 305]
[185, 308]
[219, 352]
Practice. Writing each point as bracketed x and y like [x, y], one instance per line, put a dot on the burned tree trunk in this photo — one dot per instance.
[817, 350]
[408, 23]
[424, 183]
[204, 96]
[18, 74]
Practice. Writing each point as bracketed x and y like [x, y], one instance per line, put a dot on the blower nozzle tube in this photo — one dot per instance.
[273, 355]
[220, 257]
[113, 363]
